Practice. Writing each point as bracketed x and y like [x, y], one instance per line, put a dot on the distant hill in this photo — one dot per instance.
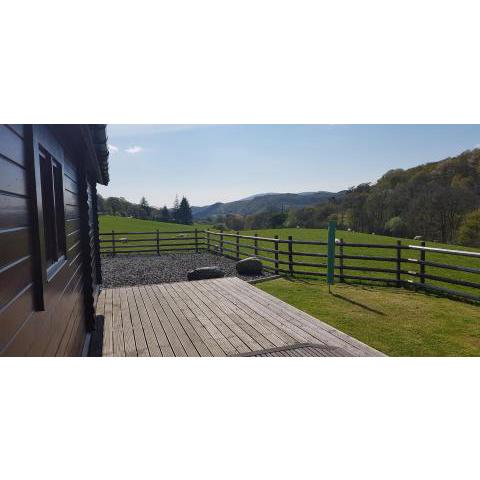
[251, 197]
[438, 201]
[275, 202]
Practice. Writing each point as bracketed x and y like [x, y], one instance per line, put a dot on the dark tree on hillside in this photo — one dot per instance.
[184, 214]
[145, 207]
[164, 214]
[278, 219]
[115, 206]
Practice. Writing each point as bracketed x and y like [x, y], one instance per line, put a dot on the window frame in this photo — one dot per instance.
[53, 203]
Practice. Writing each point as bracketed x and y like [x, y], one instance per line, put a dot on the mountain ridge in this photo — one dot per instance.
[264, 202]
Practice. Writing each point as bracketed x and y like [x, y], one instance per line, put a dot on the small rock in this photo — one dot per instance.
[205, 273]
[249, 266]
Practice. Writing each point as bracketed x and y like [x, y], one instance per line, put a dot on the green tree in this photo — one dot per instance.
[184, 213]
[164, 214]
[145, 207]
[469, 231]
[278, 219]
[115, 205]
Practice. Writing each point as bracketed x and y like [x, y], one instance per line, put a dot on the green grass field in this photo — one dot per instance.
[107, 223]
[393, 320]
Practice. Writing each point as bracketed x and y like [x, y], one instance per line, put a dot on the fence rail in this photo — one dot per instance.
[399, 264]
[115, 243]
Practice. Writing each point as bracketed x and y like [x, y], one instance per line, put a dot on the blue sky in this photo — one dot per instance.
[210, 163]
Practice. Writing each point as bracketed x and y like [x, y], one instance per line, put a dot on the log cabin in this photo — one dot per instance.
[49, 257]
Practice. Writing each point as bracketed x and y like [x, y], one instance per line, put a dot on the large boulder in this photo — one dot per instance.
[249, 266]
[205, 273]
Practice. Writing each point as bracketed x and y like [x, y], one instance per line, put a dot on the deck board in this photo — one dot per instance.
[234, 322]
[200, 348]
[168, 341]
[151, 338]
[223, 334]
[127, 326]
[107, 349]
[322, 331]
[139, 333]
[243, 321]
[222, 317]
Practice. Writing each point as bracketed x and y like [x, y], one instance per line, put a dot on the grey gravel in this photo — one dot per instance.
[127, 270]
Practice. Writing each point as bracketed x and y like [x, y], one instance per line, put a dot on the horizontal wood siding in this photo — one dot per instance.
[11, 144]
[60, 329]
[15, 245]
[16, 293]
[13, 211]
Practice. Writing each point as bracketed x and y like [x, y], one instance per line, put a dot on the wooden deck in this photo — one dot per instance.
[224, 317]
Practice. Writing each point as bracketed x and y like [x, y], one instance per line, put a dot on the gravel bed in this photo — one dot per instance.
[126, 270]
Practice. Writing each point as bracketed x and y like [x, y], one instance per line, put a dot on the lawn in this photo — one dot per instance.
[107, 223]
[395, 321]
[120, 225]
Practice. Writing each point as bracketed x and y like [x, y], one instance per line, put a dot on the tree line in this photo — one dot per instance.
[181, 211]
[438, 201]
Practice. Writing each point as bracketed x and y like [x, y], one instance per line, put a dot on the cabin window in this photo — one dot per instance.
[53, 209]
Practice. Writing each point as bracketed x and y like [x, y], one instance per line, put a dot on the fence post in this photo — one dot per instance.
[290, 255]
[113, 242]
[275, 242]
[342, 280]
[158, 242]
[196, 240]
[221, 241]
[238, 245]
[255, 251]
[422, 264]
[332, 225]
[208, 241]
[399, 262]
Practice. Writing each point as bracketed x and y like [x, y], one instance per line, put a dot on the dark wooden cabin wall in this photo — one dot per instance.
[61, 328]
[16, 282]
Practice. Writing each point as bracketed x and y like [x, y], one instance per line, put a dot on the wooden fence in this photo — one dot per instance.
[115, 243]
[396, 264]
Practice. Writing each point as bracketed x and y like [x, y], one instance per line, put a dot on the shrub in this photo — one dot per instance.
[469, 231]
[396, 226]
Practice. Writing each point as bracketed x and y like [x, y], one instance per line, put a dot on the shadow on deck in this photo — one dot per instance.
[224, 317]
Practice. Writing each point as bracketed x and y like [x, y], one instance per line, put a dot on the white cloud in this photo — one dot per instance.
[112, 148]
[135, 149]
